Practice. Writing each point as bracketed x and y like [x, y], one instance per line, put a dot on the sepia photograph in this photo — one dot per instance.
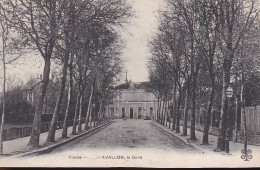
[130, 83]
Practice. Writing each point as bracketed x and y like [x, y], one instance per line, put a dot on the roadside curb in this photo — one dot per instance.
[197, 148]
[48, 149]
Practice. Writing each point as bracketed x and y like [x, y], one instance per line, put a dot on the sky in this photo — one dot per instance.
[135, 34]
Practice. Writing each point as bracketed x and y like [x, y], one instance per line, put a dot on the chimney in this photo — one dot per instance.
[126, 81]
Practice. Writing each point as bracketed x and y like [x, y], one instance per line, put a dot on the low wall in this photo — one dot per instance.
[252, 138]
[200, 127]
[24, 131]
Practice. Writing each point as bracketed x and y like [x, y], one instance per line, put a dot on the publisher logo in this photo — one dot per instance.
[246, 154]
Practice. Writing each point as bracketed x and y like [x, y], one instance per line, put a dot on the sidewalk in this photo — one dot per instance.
[234, 148]
[19, 145]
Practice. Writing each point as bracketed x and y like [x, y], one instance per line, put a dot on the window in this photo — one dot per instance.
[139, 112]
[123, 111]
[112, 109]
[151, 111]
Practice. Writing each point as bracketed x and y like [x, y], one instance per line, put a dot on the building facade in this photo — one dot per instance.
[31, 93]
[133, 101]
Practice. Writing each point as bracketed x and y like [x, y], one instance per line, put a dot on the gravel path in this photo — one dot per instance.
[129, 134]
[130, 143]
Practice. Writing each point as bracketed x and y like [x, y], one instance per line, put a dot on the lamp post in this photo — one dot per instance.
[238, 116]
[229, 93]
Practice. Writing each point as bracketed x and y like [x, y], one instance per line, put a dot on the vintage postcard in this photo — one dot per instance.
[130, 83]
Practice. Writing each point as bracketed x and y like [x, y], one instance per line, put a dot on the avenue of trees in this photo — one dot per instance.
[200, 49]
[80, 35]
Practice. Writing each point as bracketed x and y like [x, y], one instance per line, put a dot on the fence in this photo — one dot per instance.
[252, 119]
[253, 126]
[20, 132]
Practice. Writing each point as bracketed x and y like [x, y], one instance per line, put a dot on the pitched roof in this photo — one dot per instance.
[32, 83]
[122, 86]
[137, 85]
[143, 85]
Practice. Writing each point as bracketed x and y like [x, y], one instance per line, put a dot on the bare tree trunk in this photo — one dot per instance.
[51, 134]
[36, 129]
[186, 109]
[192, 128]
[76, 114]
[162, 114]
[159, 111]
[208, 116]
[175, 111]
[158, 107]
[170, 114]
[243, 110]
[224, 107]
[108, 113]
[99, 113]
[4, 82]
[80, 112]
[178, 113]
[95, 115]
[166, 110]
[89, 107]
[90, 116]
[69, 103]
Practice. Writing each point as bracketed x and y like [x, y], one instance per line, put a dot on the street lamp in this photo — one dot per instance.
[229, 93]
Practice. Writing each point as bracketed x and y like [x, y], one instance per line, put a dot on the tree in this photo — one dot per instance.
[8, 47]
[79, 21]
[36, 22]
[207, 40]
[69, 102]
[235, 19]
[4, 37]
[72, 29]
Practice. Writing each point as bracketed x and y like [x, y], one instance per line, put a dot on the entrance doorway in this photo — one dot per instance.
[123, 112]
[139, 112]
[131, 113]
[151, 112]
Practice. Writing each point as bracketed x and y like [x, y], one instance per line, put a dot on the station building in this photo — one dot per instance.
[133, 101]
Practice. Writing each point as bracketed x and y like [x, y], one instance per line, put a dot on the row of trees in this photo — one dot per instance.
[80, 35]
[203, 47]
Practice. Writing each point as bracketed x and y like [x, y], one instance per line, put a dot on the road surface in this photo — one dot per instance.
[122, 143]
[130, 143]
[137, 134]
